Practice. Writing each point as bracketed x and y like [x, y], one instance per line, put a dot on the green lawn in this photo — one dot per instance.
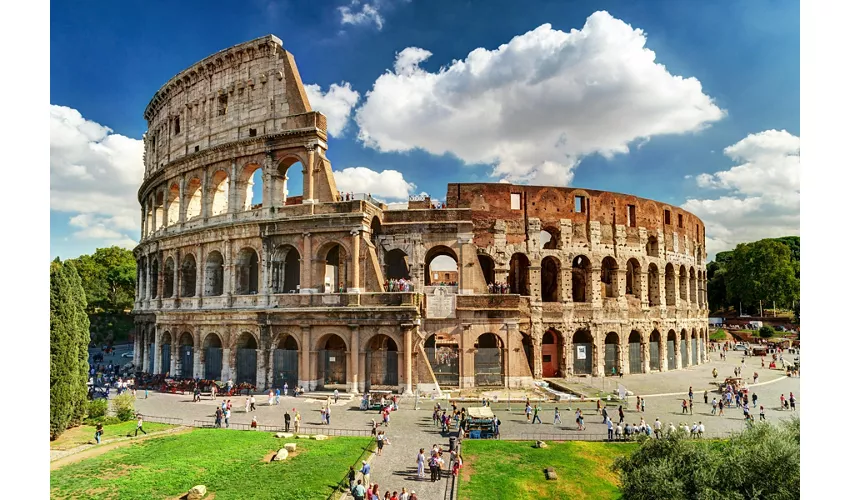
[718, 335]
[514, 470]
[230, 463]
[84, 434]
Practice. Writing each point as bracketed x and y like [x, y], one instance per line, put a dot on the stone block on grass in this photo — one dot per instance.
[320, 437]
[197, 492]
[281, 455]
[289, 446]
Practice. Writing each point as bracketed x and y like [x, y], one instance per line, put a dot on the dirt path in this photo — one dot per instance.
[90, 450]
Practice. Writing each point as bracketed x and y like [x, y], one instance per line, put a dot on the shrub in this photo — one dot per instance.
[124, 406]
[105, 420]
[766, 332]
[97, 408]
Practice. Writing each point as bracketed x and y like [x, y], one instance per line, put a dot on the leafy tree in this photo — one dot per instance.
[762, 271]
[124, 406]
[761, 462]
[109, 278]
[797, 312]
[766, 332]
[69, 340]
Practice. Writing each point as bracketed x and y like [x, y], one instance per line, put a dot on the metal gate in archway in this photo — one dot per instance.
[654, 356]
[165, 366]
[187, 363]
[489, 367]
[151, 355]
[212, 363]
[683, 345]
[382, 368]
[583, 359]
[611, 359]
[694, 352]
[671, 354]
[331, 367]
[635, 365]
[246, 366]
[285, 367]
[444, 364]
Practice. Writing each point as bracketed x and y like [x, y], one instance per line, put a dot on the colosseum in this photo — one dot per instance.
[332, 290]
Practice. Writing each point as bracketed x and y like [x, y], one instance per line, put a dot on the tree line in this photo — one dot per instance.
[767, 270]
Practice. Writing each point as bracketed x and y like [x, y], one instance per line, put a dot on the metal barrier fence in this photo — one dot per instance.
[163, 420]
[541, 436]
[327, 431]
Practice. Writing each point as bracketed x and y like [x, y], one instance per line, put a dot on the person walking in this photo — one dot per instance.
[380, 440]
[336, 396]
[277, 396]
[761, 413]
[285, 388]
[358, 491]
[286, 419]
[527, 412]
[557, 416]
[643, 405]
[705, 396]
[328, 415]
[366, 470]
[782, 401]
[691, 394]
[622, 414]
[98, 432]
[227, 418]
[420, 464]
[657, 428]
[684, 406]
[536, 415]
[714, 406]
[298, 424]
[604, 414]
[580, 421]
[793, 401]
[720, 406]
[610, 429]
[691, 406]
[218, 415]
[247, 405]
[253, 403]
[599, 407]
[139, 427]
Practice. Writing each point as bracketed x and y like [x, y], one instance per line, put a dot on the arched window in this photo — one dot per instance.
[488, 268]
[610, 286]
[670, 285]
[581, 279]
[159, 210]
[550, 274]
[292, 181]
[397, 265]
[247, 272]
[549, 238]
[518, 274]
[335, 270]
[286, 270]
[652, 246]
[251, 187]
[441, 266]
[693, 286]
[188, 276]
[214, 274]
[154, 278]
[173, 202]
[194, 197]
[633, 278]
[169, 278]
[220, 189]
[654, 283]
[375, 231]
[683, 285]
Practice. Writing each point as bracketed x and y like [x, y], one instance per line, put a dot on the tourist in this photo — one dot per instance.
[436, 465]
[599, 406]
[247, 405]
[701, 429]
[271, 397]
[657, 428]
[336, 396]
[298, 421]
[691, 394]
[746, 411]
[720, 406]
[536, 416]
[782, 401]
[413, 496]
[580, 421]
[404, 495]
[458, 463]
[218, 415]
[328, 415]
[643, 405]
[285, 388]
[277, 396]
[358, 491]
[713, 406]
[380, 440]
[618, 432]
[622, 414]
[684, 406]
[691, 406]
[793, 401]
[637, 405]
[253, 403]
[496, 424]
[610, 428]
[139, 427]
[98, 432]
[286, 419]
[420, 464]
[705, 396]
[527, 411]
[604, 414]
[227, 418]
[366, 470]
[374, 494]
[755, 399]
[557, 416]
[254, 422]
[213, 390]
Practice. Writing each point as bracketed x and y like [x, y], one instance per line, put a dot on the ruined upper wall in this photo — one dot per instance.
[248, 90]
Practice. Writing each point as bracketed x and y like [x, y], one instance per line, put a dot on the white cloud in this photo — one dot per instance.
[762, 193]
[367, 13]
[335, 104]
[535, 106]
[94, 175]
[389, 184]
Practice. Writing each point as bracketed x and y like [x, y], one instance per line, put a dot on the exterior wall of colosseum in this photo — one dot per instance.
[292, 289]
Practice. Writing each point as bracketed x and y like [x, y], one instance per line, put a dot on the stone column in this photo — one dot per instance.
[200, 270]
[270, 372]
[623, 355]
[157, 351]
[226, 366]
[137, 352]
[228, 268]
[308, 175]
[678, 346]
[595, 286]
[304, 372]
[644, 347]
[175, 356]
[354, 359]
[181, 214]
[146, 351]
[354, 286]
[144, 223]
[262, 359]
[644, 290]
[662, 353]
[408, 360]
[688, 353]
[307, 266]
[537, 341]
[598, 347]
[232, 189]
[153, 214]
[197, 368]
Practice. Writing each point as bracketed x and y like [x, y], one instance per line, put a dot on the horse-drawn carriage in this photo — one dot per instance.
[377, 400]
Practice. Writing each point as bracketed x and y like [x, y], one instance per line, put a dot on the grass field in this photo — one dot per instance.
[84, 434]
[514, 470]
[718, 335]
[231, 464]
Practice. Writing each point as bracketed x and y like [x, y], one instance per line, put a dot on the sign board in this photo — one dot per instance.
[581, 352]
[440, 303]
[331, 359]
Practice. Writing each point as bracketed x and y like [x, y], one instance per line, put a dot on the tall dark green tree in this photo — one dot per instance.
[109, 279]
[762, 270]
[69, 340]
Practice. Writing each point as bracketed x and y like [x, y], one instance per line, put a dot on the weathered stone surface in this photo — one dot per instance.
[197, 492]
[319, 437]
[551, 474]
[290, 446]
[281, 455]
[541, 444]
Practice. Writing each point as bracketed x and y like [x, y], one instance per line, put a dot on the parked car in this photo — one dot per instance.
[127, 355]
[740, 347]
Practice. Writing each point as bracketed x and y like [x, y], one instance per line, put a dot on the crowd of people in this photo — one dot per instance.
[398, 285]
[500, 287]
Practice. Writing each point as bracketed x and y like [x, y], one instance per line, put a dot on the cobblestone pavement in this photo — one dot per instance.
[411, 429]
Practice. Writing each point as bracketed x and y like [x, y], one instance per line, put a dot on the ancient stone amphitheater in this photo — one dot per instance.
[269, 288]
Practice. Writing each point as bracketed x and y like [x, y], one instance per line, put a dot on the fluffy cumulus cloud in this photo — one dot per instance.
[94, 176]
[758, 198]
[536, 105]
[387, 184]
[358, 13]
[335, 104]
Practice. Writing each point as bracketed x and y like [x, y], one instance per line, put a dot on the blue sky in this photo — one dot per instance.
[108, 58]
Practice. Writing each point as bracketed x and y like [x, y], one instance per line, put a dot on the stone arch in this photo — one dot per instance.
[397, 264]
[670, 285]
[375, 230]
[154, 277]
[581, 270]
[652, 246]
[247, 271]
[286, 269]
[214, 274]
[550, 238]
[518, 274]
[173, 204]
[672, 347]
[159, 209]
[212, 354]
[552, 351]
[633, 278]
[583, 354]
[655, 350]
[332, 360]
[382, 361]
[168, 279]
[693, 286]
[250, 175]
[194, 198]
[219, 192]
[550, 279]
[332, 267]
[488, 268]
[654, 284]
[683, 285]
[165, 352]
[635, 354]
[245, 352]
[285, 362]
[291, 172]
[185, 355]
[609, 278]
[444, 358]
[489, 360]
[612, 354]
[435, 272]
[188, 275]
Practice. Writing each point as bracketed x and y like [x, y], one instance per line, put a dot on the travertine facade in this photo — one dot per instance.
[291, 289]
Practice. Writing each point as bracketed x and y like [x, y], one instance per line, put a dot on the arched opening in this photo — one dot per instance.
[693, 286]
[441, 267]
[212, 357]
[375, 231]
[443, 355]
[159, 210]
[251, 187]
[168, 279]
[335, 269]
[610, 287]
[220, 191]
[654, 283]
[246, 359]
[489, 361]
[397, 265]
[683, 348]
[528, 349]
[553, 346]
[332, 362]
[671, 350]
[194, 196]
[188, 276]
[549, 238]
[652, 246]
[285, 363]
[635, 358]
[381, 362]
[683, 286]
[670, 285]
[143, 278]
[186, 356]
[581, 279]
[488, 268]
[582, 352]
[518, 274]
[214, 275]
[173, 204]
[148, 222]
[292, 182]
[655, 350]
[550, 272]
[154, 278]
[612, 354]
[286, 270]
[165, 353]
[694, 348]
[702, 350]
[633, 278]
[247, 272]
